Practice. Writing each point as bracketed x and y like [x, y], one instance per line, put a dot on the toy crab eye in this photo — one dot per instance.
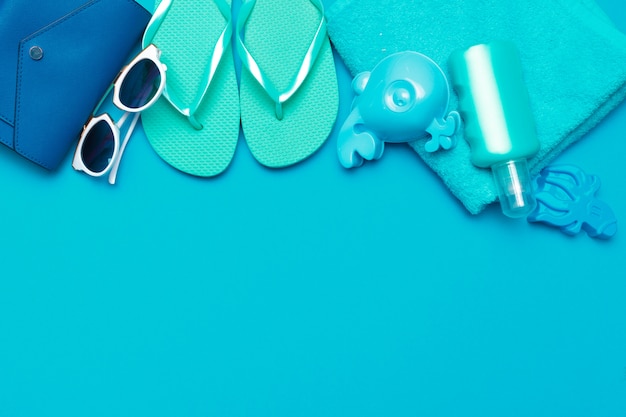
[402, 95]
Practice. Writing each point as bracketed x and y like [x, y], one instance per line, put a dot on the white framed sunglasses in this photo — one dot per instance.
[138, 86]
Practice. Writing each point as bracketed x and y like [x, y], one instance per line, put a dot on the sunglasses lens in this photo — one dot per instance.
[140, 84]
[98, 147]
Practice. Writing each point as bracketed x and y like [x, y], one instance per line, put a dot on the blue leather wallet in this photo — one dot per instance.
[57, 59]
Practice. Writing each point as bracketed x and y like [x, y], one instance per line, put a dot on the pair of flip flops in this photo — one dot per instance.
[288, 99]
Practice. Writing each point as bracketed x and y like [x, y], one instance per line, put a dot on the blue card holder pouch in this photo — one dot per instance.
[57, 59]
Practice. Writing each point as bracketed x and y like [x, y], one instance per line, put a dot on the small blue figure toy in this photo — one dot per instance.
[403, 99]
[566, 199]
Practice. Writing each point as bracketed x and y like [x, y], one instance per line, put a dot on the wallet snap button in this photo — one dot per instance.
[36, 53]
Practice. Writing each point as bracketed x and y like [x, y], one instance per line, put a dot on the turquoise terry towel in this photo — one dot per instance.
[574, 63]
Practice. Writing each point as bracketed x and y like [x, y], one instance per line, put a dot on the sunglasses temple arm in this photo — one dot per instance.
[122, 120]
[129, 133]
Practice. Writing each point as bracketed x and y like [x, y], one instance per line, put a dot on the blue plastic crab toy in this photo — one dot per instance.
[566, 198]
[403, 99]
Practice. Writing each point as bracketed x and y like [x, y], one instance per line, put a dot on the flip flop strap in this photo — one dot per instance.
[250, 63]
[210, 70]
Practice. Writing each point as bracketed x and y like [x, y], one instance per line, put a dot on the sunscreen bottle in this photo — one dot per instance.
[499, 125]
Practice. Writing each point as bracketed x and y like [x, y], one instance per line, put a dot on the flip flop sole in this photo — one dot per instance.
[186, 39]
[278, 34]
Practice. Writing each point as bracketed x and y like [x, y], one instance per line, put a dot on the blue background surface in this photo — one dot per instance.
[307, 291]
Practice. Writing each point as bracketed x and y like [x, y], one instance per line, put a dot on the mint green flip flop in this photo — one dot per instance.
[194, 126]
[289, 95]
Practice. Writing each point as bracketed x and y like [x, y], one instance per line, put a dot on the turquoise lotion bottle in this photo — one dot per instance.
[499, 125]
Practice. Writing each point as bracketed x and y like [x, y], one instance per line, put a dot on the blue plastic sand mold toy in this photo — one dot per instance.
[403, 99]
[566, 199]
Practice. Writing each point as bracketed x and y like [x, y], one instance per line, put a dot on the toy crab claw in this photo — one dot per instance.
[355, 143]
[443, 132]
[566, 199]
